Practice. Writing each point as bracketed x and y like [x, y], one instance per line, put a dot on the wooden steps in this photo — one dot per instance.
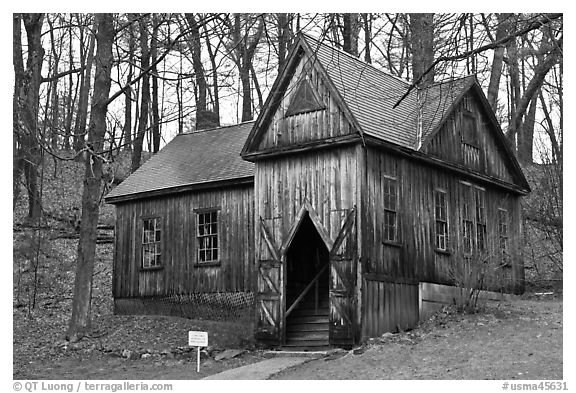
[307, 327]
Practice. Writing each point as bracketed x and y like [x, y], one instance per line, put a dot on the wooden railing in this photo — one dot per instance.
[305, 291]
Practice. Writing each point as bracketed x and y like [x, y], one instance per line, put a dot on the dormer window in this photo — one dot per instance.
[304, 100]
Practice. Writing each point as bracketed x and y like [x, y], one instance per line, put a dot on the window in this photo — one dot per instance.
[151, 242]
[503, 234]
[469, 132]
[390, 210]
[480, 218]
[441, 217]
[207, 234]
[467, 223]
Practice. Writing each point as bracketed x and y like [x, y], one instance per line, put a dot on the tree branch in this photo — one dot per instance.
[531, 26]
[62, 74]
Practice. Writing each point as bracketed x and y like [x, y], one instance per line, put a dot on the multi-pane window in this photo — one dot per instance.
[207, 234]
[503, 233]
[390, 209]
[441, 217]
[151, 242]
[480, 218]
[467, 218]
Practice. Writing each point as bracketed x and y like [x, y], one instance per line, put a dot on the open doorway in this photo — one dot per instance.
[307, 270]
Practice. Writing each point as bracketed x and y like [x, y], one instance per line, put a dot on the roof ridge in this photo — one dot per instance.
[215, 128]
[450, 80]
[357, 59]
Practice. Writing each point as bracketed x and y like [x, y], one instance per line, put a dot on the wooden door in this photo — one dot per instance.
[342, 284]
[269, 293]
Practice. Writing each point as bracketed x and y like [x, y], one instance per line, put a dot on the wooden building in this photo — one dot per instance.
[351, 207]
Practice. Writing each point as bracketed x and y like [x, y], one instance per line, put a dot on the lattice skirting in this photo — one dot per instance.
[211, 306]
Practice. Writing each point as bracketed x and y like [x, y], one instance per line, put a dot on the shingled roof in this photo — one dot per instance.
[194, 158]
[370, 94]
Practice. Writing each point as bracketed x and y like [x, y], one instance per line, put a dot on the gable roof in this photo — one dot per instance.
[367, 96]
[190, 159]
[438, 100]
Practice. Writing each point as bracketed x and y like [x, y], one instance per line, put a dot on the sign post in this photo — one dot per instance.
[198, 339]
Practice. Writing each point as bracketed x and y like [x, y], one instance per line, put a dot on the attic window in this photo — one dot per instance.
[305, 99]
[469, 129]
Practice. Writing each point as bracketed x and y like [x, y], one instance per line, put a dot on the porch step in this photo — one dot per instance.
[304, 312]
[308, 327]
[318, 335]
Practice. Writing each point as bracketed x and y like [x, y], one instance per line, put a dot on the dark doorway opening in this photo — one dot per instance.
[307, 269]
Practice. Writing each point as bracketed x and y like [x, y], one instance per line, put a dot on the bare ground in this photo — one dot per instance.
[518, 340]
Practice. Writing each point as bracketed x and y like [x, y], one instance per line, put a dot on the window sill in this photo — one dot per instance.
[391, 244]
[207, 264]
[443, 252]
[151, 269]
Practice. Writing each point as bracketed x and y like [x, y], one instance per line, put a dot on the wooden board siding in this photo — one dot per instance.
[324, 183]
[488, 159]
[326, 179]
[389, 306]
[180, 272]
[305, 127]
[415, 257]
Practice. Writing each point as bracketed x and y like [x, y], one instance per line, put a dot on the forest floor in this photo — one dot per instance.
[520, 339]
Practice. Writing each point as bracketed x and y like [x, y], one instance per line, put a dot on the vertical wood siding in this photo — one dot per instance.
[179, 273]
[393, 307]
[487, 158]
[305, 127]
[415, 257]
[326, 179]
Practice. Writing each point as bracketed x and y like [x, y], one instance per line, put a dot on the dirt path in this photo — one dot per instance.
[520, 340]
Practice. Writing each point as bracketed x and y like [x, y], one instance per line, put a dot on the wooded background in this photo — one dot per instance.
[89, 87]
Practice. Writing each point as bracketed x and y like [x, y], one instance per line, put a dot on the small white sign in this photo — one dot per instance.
[198, 339]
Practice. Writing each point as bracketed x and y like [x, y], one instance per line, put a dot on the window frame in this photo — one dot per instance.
[467, 220]
[159, 219]
[390, 211]
[441, 220]
[216, 236]
[504, 237]
[480, 219]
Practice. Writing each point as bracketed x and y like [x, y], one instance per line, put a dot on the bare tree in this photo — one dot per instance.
[92, 192]
[144, 94]
[26, 98]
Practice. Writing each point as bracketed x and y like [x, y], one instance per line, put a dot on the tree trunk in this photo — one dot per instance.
[367, 18]
[155, 114]
[144, 95]
[422, 32]
[283, 39]
[18, 64]
[350, 33]
[127, 128]
[91, 194]
[215, 85]
[204, 117]
[526, 137]
[28, 108]
[85, 84]
[496, 72]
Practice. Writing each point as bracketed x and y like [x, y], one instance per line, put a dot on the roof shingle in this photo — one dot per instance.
[191, 158]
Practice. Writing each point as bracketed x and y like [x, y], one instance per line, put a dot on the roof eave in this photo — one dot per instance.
[239, 181]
